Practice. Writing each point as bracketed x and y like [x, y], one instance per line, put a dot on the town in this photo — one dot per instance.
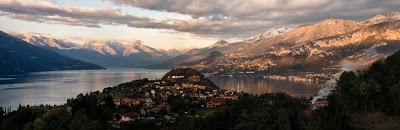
[162, 101]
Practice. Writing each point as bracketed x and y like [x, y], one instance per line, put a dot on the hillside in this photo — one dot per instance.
[298, 36]
[326, 47]
[18, 56]
[187, 75]
[362, 99]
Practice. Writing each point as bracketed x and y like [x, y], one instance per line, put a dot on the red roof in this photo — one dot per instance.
[130, 100]
[217, 100]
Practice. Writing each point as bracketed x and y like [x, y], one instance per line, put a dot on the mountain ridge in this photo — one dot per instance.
[110, 54]
[18, 56]
[339, 45]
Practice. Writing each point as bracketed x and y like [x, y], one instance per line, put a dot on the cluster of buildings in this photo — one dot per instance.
[155, 99]
[302, 77]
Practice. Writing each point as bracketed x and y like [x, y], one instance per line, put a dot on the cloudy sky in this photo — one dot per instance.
[170, 24]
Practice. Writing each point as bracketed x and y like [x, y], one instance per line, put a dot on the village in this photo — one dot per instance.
[163, 102]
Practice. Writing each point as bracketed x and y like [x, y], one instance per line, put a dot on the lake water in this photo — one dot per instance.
[55, 87]
[259, 85]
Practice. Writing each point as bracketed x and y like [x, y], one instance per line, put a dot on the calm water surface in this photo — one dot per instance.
[55, 87]
[261, 85]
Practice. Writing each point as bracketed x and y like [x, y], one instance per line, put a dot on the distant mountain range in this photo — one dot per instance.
[110, 54]
[18, 56]
[331, 45]
[194, 55]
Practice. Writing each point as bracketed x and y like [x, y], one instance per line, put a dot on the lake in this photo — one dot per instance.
[260, 85]
[55, 87]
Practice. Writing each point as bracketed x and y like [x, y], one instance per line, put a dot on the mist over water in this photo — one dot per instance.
[370, 55]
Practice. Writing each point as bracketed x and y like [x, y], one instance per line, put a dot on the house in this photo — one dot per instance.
[176, 77]
[147, 101]
[117, 101]
[130, 101]
[233, 97]
[214, 102]
[131, 116]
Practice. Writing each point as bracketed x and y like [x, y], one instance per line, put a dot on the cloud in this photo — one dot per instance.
[212, 18]
[47, 12]
[263, 9]
[273, 13]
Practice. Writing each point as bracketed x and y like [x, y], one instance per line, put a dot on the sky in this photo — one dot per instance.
[168, 24]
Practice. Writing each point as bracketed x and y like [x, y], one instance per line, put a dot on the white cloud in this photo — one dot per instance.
[47, 12]
[215, 18]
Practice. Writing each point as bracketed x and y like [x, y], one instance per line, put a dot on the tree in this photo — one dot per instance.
[39, 124]
[2, 113]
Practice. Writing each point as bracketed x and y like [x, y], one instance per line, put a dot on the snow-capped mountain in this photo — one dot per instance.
[328, 46]
[267, 34]
[298, 36]
[42, 41]
[117, 48]
[138, 48]
[18, 56]
[382, 18]
[104, 53]
[103, 47]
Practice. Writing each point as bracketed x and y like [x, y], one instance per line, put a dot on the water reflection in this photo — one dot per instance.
[260, 85]
[57, 86]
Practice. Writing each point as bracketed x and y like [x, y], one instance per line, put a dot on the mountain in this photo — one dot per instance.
[105, 48]
[382, 18]
[110, 54]
[194, 55]
[117, 48]
[221, 46]
[267, 34]
[46, 41]
[171, 52]
[18, 56]
[328, 46]
[298, 36]
[138, 48]
[116, 54]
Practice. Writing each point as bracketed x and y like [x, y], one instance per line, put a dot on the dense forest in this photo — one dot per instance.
[363, 99]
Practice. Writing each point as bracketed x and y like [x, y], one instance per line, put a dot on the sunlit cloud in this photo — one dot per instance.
[213, 19]
[47, 12]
